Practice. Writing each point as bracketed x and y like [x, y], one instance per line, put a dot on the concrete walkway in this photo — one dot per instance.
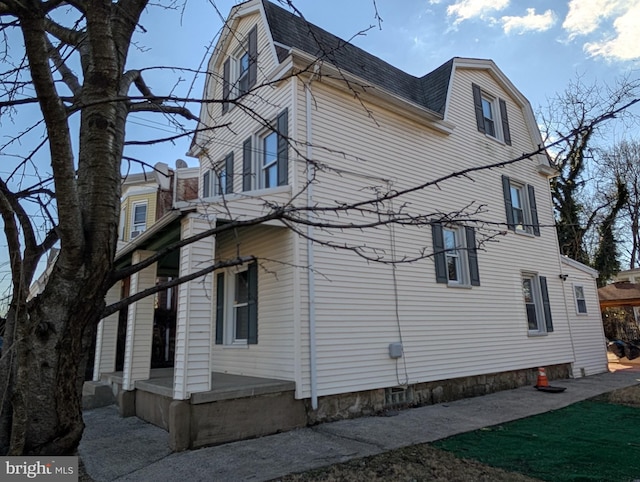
[114, 448]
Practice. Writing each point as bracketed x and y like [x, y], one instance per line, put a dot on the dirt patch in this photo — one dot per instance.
[414, 463]
[629, 396]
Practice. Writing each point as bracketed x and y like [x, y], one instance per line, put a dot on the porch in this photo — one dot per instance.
[236, 408]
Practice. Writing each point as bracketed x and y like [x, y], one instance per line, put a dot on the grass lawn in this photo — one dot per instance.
[595, 440]
[589, 441]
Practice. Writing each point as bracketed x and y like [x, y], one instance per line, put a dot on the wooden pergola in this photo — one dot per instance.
[622, 293]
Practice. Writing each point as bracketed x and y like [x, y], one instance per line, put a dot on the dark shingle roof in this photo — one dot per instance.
[293, 31]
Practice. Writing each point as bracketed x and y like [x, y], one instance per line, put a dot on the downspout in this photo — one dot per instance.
[313, 374]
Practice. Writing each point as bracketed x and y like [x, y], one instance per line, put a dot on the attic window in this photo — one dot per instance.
[239, 71]
[491, 115]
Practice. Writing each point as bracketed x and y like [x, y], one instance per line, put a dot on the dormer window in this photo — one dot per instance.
[491, 115]
[239, 71]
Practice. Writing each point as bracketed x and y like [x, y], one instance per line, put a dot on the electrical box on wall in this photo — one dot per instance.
[395, 350]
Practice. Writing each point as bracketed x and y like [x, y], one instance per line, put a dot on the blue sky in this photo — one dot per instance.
[541, 45]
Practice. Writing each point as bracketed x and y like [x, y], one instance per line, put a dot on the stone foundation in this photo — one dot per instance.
[370, 402]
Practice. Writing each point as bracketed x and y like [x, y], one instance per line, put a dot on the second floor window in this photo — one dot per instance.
[520, 206]
[455, 255]
[139, 219]
[266, 165]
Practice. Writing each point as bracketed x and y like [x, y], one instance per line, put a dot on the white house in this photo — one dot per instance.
[324, 315]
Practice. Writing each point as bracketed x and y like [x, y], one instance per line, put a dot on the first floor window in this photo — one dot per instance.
[536, 301]
[139, 219]
[237, 306]
[581, 301]
[455, 255]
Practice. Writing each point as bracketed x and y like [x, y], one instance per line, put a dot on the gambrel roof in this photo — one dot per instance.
[289, 30]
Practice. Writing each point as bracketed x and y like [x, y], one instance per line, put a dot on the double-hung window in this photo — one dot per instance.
[581, 300]
[455, 255]
[269, 161]
[491, 115]
[239, 71]
[219, 180]
[536, 301]
[267, 166]
[520, 206]
[237, 306]
[138, 219]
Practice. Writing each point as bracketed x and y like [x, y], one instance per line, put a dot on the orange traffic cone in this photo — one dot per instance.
[542, 379]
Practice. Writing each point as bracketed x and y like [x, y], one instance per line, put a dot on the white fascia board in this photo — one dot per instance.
[427, 117]
[580, 266]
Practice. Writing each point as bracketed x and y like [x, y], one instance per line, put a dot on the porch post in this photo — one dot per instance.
[192, 368]
[137, 351]
[107, 337]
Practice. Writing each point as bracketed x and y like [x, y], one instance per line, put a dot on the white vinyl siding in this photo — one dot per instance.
[589, 343]
[367, 148]
[354, 299]
[272, 356]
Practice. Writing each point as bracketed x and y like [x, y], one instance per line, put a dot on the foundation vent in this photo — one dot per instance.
[397, 397]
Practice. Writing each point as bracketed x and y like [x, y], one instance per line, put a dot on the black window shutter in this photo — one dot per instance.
[252, 279]
[505, 122]
[283, 147]
[226, 84]
[546, 306]
[206, 184]
[246, 165]
[228, 168]
[438, 253]
[219, 307]
[477, 103]
[472, 256]
[508, 207]
[534, 210]
[253, 56]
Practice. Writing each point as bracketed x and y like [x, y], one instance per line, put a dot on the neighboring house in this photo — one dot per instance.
[624, 292]
[317, 328]
[147, 196]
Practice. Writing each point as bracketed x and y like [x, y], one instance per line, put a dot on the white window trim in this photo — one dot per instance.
[494, 102]
[461, 254]
[133, 218]
[576, 299]
[229, 329]
[537, 301]
[122, 228]
[258, 164]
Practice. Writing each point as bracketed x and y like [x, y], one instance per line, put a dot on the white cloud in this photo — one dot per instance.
[626, 44]
[530, 22]
[585, 16]
[466, 9]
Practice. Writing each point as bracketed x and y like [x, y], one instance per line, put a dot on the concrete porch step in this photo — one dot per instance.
[96, 395]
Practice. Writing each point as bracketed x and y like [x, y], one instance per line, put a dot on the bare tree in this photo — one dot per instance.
[623, 161]
[576, 190]
[74, 70]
